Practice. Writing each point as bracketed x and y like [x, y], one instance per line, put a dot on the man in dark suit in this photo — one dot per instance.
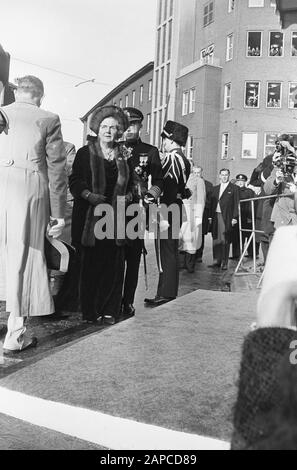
[146, 162]
[176, 171]
[224, 214]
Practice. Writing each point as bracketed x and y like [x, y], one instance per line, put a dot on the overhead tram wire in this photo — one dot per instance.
[78, 77]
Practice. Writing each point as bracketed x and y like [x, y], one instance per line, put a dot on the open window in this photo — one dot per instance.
[276, 44]
[254, 43]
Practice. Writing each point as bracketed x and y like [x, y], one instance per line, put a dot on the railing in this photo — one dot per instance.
[252, 238]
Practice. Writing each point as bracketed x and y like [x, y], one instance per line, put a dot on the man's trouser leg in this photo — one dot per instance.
[16, 337]
[132, 257]
[169, 279]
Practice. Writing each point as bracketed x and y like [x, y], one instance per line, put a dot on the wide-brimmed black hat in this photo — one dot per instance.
[108, 111]
[176, 132]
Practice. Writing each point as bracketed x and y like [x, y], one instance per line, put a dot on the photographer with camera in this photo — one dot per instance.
[283, 181]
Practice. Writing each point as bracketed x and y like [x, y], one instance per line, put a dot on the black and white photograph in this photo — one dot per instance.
[148, 228]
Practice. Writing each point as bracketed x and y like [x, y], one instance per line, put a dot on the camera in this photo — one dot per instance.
[284, 158]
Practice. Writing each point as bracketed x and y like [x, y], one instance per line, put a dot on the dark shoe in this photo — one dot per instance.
[199, 260]
[224, 267]
[191, 270]
[93, 320]
[109, 320]
[157, 301]
[128, 310]
[57, 316]
[11, 352]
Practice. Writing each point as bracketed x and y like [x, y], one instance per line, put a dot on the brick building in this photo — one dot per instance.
[135, 91]
[232, 79]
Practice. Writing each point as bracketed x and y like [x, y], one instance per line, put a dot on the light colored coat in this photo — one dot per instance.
[191, 230]
[32, 187]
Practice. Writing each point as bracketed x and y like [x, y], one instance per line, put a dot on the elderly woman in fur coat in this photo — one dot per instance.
[101, 174]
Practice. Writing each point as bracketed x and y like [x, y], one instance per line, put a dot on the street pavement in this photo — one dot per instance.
[69, 351]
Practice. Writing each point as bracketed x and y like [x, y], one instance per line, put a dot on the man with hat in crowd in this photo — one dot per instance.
[145, 160]
[176, 171]
[246, 218]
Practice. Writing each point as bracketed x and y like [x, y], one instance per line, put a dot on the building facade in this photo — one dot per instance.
[233, 82]
[136, 91]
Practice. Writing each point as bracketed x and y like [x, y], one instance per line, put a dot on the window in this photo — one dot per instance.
[231, 5]
[133, 97]
[276, 44]
[158, 46]
[293, 95]
[206, 55]
[160, 12]
[249, 145]
[169, 39]
[192, 100]
[227, 96]
[157, 88]
[167, 82]
[273, 95]
[126, 101]
[252, 90]
[189, 147]
[165, 10]
[225, 146]
[294, 44]
[185, 105]
[229, 50]
[164, 43]
[148, 123]
[256, 3]
[150, 90]
[254, 43]
[155, 129]
[121, 103]
[269, 142]
[162, 86]
[141, 94]
[208, 14]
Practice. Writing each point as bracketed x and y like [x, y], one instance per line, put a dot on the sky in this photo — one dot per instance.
[105, 40]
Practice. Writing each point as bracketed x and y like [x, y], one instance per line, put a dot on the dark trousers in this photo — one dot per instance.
[199, 253]
[132, 258]
[244, 237]
[101, 279]
[169, 278]
[221, 246]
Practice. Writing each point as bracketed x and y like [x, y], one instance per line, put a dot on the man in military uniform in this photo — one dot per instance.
[246, 218]
[146, 163]
[176, 171]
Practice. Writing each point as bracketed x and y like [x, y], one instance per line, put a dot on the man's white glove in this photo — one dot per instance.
[198, 221]
[55, 227]
[164, 225]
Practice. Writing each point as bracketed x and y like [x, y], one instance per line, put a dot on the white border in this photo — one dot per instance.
[98, 428]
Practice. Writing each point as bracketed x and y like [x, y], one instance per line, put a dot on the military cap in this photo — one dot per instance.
[241, 177]
[108, 111]
[133, 114]
[289, 138]
[176, 132]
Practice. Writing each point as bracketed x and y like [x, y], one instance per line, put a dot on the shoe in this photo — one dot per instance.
[214, 265]
[11, 352]
[93, 320]
[191, 270]
[128, 310]
[199, 260]
[224, 267]
[157, 301]
[109, 320]
[56, 316]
